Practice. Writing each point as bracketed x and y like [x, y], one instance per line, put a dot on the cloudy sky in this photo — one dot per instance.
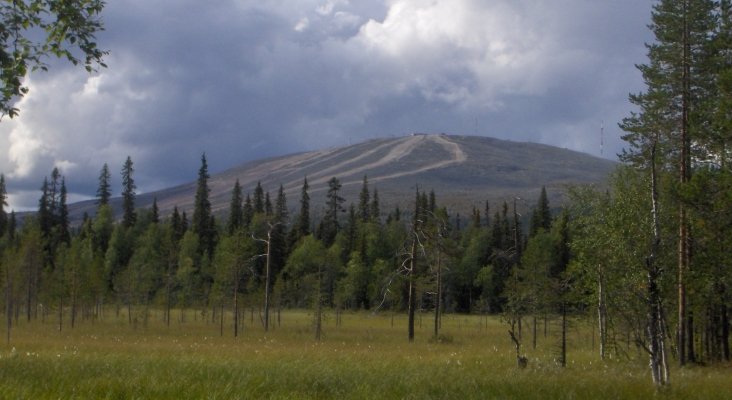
[245, 79]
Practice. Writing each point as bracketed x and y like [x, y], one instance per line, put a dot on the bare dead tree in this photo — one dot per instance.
[267, 270]
[521, 360]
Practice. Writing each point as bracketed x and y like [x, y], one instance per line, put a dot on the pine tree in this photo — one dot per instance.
[720, 134]
[671, 118]
[104, 191]
[128, 194]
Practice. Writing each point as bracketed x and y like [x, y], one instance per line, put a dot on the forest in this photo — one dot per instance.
[645, 258]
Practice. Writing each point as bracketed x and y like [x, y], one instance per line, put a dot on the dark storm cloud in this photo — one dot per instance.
[241, 80]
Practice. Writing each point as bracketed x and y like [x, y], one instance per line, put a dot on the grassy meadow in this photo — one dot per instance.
[366, 357]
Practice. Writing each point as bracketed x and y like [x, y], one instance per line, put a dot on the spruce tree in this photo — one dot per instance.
[177, 225]
[236, 215]
[363, 201]
[258, 200]
[375, 208]
[128, 194]
[104, 191]
[44, 215]
[12, 224]
[63, 234]
[201, 222]
[155, 212]
[184, 221]
[281, 214]
[278, 237]
[333, 207]
[303, 219]
[541, 219]
[247, 212]
[476, 218]
[268, 210]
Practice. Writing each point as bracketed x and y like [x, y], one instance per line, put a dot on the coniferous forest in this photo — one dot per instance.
[645, 259]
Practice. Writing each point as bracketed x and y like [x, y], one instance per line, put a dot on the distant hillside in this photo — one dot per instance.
[464, 171]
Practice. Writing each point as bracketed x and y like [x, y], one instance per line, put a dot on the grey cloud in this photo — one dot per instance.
[246, 79]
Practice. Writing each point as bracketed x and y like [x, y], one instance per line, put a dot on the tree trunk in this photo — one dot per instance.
[236, 311]
[654, 324]
[438, 294]
[74, 291]
[8, 305]
[412, 302]
[725, 333]
[601, 312]
[266, 280]
[685, 342]
[319, 307]
[60, 313]
[563, 358]
[221, 319]
[167, 299]
[29, 298]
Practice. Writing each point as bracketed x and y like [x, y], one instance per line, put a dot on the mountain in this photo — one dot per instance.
[464, 171]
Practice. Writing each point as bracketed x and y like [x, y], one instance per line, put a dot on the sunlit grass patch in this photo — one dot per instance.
[367, 356]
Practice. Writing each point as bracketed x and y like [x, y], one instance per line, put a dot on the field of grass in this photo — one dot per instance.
[366, 357]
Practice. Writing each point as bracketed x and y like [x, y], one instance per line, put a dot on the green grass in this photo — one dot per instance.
[366, 357]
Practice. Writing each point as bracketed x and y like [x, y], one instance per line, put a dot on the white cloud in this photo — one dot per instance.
[302, 24]
[328, 7]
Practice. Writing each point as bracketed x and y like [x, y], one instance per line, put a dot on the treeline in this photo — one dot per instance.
[354, 257]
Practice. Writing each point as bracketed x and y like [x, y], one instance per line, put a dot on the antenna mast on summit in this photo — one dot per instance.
[602, 137]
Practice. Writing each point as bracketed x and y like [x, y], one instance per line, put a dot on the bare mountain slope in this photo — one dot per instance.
[464, 171]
